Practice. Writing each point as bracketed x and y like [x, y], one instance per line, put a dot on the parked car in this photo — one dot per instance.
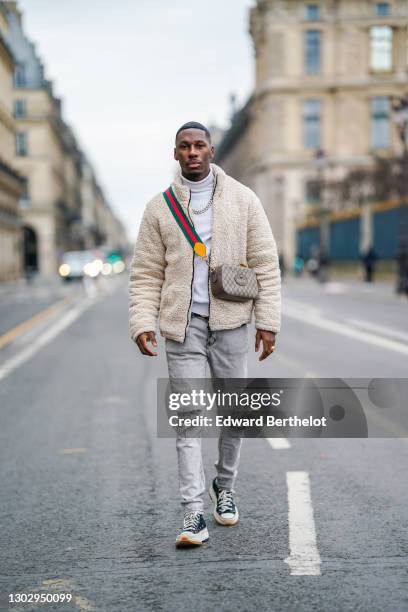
[77, 264]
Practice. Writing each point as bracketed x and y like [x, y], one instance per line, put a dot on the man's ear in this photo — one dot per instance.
[212, 152]
[175, 154]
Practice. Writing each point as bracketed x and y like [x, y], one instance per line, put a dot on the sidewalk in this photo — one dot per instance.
[40, 288]
[23, 287]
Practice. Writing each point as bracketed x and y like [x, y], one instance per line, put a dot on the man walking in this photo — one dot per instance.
[169, 281]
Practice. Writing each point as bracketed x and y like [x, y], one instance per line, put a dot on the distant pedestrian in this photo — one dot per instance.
[298, 265]
[169, 280]
[323, 267]
[282, 265]
[369, 261]
[313, 261]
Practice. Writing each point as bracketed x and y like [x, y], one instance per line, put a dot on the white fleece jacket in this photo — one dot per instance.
[161, 271]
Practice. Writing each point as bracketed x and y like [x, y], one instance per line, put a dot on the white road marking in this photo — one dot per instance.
[379, 329]
[307, 309]
[278, 443]
[310, 318]
[52, 332]
[304, 558]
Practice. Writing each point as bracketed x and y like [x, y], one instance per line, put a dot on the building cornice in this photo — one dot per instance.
[6, 169]
[329, 15]
[10, 180]
[6, 54]
[369, 22]
[286, 162]
[6, 118]
[334, 85]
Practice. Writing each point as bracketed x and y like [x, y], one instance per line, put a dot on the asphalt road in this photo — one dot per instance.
[89, 502]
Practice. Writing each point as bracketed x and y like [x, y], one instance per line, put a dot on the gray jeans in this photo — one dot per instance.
[226, 353]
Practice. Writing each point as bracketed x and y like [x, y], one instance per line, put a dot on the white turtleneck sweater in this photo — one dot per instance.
[201, 192]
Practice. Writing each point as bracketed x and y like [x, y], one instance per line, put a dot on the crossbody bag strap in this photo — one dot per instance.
[184, 223]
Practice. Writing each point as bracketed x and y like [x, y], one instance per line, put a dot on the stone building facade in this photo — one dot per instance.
[326, 72]
[61, 201]
[11, 183]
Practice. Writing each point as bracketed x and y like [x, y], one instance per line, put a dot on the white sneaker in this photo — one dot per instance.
[225, 511]
[195, 530]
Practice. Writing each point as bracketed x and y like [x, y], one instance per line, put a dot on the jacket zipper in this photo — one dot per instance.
[192, 277]
[209, 290]
[209, 262]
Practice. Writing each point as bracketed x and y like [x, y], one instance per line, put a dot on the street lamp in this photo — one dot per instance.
[321, 162]
[400, 108]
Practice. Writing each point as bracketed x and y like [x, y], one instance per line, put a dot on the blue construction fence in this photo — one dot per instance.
[345, 237]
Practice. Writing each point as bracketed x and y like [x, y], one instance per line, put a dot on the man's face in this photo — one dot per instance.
[194, 153]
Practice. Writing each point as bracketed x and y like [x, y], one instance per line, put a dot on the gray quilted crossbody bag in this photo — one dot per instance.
[232, 282]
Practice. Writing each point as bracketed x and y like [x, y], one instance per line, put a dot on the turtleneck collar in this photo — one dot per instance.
[196, 186]
[182, 191]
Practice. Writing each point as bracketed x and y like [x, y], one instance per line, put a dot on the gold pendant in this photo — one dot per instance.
[200, 250]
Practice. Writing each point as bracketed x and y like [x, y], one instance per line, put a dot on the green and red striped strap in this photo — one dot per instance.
[184, 223]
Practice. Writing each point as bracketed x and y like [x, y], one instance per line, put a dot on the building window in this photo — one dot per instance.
[311, 123]
[381, 48]
[20, 77]
[25, 196]
[21, 144]
[312, 51]
[20, 109]
[380, 122]
[312, 12]
[382, 9]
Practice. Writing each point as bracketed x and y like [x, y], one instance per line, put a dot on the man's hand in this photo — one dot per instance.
[268, 341]
[142, 341]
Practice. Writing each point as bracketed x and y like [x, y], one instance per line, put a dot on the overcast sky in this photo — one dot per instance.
[131, 72]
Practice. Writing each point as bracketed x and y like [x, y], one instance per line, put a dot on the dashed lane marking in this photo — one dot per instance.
[278, 443]
[304, 557]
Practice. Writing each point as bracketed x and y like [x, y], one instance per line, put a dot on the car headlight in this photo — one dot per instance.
[64, 269]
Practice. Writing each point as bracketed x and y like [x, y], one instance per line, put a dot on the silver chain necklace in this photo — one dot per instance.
[202, 210]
